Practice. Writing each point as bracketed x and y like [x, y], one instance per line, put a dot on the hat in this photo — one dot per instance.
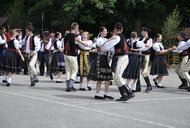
[118, 25]
[2, 28]
[182, 35]
[45, 34]
[19, 29]
[146, 29]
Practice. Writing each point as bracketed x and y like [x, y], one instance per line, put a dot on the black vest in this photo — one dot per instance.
[185, 52]
[135, 45]
[121, 48]
[55, 45]
[11, 45]
[70, 48]
[148, 52]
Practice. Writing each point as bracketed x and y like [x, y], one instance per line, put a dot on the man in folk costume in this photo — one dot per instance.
[3, 41]
[146, 56]
[32, 44]
[71, 52]
[184, 59]
[121, 51]
[186, 69]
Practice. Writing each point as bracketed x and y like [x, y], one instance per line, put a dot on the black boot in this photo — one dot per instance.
[51, 76]
[129, 92]
[138, 88]
[181, 82]
[123, 94]
[188, 89]
[149, 86]
[183, 85]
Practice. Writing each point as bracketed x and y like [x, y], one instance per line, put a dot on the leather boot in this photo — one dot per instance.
[123, 94]
[129, 92]
[149, 86]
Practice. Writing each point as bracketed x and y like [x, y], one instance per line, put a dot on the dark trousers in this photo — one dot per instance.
[24, 64]
[44, 61]
[18, 59]
[2, 54]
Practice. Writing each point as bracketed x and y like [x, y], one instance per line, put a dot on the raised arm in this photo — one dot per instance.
[81, 42]
[111, 43]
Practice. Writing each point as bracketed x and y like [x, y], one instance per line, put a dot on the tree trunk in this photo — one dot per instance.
[138, 23]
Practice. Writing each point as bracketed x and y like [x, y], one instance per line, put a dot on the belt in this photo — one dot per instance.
[84, 52]
[136, 53]
[12, 50]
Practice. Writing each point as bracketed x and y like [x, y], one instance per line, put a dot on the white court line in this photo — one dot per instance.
[143, 100]
[89, 109]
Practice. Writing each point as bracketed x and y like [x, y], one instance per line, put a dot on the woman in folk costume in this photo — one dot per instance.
[57, 63]
[84, 66]
[132, 71]
[100, 69]
[45, 53]
[10, 62]
[159, 65]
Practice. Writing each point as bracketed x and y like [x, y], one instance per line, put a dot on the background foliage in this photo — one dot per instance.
[91, 14]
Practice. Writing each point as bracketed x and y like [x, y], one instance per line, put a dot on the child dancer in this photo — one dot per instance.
[84, 66]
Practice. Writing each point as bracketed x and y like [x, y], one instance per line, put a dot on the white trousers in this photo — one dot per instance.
[120, 67]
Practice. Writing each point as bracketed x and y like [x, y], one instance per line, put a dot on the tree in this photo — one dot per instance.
[171, 26]
[60, 13]
[16, 15]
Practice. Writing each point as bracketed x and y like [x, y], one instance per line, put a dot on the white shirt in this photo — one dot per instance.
[48, 46]
[89, 47]
[180, 47]
[36, 44]
[110, 44]
[80, 38]
[3, 41]
[62, 41]
[100, 41]
[157, 46]
[20, 41]
[16, 43]
[52, 43]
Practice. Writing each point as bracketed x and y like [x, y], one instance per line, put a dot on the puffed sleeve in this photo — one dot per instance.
[90, 43]
[156, 47]
[16, 44]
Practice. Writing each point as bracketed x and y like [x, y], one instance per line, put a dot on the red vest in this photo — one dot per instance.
[121, 48]
[31, 42]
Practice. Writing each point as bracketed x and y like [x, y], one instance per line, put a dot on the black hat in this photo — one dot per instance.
[2, 28]
[51, 31]
[119, 25]
[37, 32]
[45, 34]
[18, 29]
[182, 35]
[146, 29]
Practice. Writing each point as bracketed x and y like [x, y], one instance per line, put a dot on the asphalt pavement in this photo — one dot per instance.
[48, 105]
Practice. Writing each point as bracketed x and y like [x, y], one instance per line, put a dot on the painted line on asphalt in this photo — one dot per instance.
[143, 100]
[89, 109]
